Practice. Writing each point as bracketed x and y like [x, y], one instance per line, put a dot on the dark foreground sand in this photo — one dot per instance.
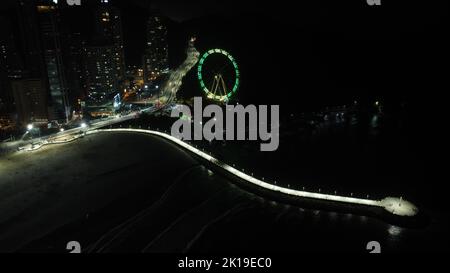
[128, 192]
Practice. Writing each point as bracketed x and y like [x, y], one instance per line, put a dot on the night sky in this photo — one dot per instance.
[305, 56]
[338, 43]
[353, 18]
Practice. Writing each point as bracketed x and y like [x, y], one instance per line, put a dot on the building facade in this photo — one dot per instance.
[49, 23]
[155, 59]
[104, 57]
[101, 74]
[30, 96]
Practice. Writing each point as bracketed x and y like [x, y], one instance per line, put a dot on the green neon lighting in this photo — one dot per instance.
[202, 83]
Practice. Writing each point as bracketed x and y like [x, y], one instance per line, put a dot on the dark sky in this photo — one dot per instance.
[410, 11]
[351, 17]
[348, 14]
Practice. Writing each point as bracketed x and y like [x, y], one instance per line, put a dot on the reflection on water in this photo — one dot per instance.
[333, 216]
[274, 226]
[394, 231]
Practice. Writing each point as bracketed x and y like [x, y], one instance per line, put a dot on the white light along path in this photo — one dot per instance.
[396, 206]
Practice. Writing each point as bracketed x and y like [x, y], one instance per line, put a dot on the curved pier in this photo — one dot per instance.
[393, 205]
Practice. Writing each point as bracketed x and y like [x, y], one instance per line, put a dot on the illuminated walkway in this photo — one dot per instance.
[396, 206]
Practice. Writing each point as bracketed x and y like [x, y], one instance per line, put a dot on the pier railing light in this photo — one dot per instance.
[397, 206]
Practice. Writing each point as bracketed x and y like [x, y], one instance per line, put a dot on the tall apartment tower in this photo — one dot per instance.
[155, 60]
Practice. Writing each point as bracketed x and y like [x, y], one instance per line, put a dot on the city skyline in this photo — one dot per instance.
[170, 126]
[70, 68]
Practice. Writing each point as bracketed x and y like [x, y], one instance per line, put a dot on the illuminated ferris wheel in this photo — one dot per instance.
[218, 75]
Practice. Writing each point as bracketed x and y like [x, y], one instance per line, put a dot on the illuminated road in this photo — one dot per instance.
[168, 94]
[396, 206]
[173, 84]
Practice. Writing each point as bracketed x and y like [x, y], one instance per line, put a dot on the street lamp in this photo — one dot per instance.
[83, 125]
[30, 127]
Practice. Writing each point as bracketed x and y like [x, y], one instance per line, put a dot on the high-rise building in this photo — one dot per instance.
[155, 60]
[30, 40]
[108, 31]
[104, 58]
[30, 96]
[10, 66]
[9, 54]
[41, 49]
[73, 57]
[101, 75]
[49, 23]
